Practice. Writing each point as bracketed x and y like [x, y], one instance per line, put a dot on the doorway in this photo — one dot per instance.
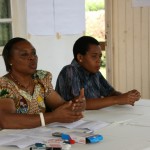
[95, 26]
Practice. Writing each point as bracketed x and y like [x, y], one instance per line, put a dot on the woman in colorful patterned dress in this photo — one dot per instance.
[26, 93]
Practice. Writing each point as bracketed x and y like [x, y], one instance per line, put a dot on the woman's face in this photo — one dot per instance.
[23, 58]
[92, 59]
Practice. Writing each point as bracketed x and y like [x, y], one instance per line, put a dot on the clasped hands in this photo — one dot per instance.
[71, 111]
[129, 98]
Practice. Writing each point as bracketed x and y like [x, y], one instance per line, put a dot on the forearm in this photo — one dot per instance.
[98, 103]
[128, 98]
[115, 93]
[23, 121]
[54, 100]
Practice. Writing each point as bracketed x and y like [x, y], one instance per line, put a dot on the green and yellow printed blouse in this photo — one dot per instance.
[24, 102]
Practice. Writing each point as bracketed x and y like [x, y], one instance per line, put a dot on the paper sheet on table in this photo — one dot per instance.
[81, 124]
[141, 121]
[23, 142]
[36, 132]
[8, 138]
[25, 137]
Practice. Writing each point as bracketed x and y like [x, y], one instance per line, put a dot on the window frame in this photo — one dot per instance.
[10, 20]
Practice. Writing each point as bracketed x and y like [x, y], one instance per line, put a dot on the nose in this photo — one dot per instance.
[98, 60]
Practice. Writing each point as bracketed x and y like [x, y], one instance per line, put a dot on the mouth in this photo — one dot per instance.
[33, 66]
[98, 67]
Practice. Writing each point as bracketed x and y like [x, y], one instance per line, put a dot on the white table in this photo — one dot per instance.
[129, 128]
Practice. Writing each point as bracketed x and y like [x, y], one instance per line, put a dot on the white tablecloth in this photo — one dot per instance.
[129, 128]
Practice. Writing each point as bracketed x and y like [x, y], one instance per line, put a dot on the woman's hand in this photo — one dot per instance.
[65, 114]
[79, 103]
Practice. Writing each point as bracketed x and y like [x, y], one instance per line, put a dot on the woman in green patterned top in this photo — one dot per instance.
[26, 92]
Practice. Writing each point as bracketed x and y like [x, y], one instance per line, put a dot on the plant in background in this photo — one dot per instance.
[103, 59]
[95, 19]
[94, 5]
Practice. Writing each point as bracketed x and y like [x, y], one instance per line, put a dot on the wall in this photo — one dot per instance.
[53, 53]
[128, 46]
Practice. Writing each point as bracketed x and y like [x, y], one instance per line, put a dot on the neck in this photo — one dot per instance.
[21, 76]
[24, 82]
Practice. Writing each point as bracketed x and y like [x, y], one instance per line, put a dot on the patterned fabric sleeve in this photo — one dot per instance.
[68, 84]
[45, 78]
[7, 90]
[106, 89]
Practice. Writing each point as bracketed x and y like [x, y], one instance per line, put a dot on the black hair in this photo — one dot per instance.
[7, 51]
[82, 45]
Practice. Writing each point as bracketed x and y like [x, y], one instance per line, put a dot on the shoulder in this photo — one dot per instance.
[68, 69]
[67, 72]
[99, 74]
[42, 74]
[4, 81]
[44, 78]
[7, 88]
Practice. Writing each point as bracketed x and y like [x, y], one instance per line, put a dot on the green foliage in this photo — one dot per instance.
[103, 59]
[94, 5]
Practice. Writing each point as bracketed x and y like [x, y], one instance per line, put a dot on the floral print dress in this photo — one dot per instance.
[25, 102]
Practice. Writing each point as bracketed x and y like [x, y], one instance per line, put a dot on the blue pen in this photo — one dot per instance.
[40, 146]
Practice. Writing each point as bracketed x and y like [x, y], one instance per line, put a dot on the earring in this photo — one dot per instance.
[80, 60]
[10, 64]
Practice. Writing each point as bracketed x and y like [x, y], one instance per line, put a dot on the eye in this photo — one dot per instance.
[24, 54]
[94, 56]
[34, 53]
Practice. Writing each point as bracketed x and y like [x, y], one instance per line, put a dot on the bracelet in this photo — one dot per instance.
[42, 119]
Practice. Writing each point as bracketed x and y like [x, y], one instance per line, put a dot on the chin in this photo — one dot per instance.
[33, 71]
[93, 72]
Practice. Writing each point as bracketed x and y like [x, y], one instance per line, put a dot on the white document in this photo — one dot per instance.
[26, 137]
[4, 139]
[143, 121]
[141, 3]
[81, 124]
[53, 17]
[39, 132]
[40, 17]
[23, 142]
[69, 16]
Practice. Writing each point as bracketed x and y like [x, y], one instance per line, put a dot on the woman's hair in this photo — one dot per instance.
[82, 45]
[7, 51]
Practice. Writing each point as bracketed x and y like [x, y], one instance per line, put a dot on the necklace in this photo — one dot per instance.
[26, 88]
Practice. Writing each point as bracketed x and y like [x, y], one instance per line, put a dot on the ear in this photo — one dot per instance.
[79, 57]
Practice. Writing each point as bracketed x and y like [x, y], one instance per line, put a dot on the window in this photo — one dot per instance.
[5, 22]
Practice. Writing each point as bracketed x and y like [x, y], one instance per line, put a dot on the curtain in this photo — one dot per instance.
[5, 27]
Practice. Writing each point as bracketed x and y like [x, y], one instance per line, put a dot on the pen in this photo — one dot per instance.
[89, 131]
